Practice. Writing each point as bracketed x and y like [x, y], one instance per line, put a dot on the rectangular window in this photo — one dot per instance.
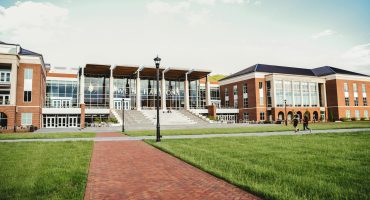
[26, 119]
[357, 114]
[363, 86]
[27, 94]
[4, 77]
[260, 86]
[235, 90]
[279, 93]
[246, 116]
[245, 96]
[355, 87]
[262, 116]
[306, 94]
[268, 93]
[297, 94]
[364, 100]
[314, 94]
[227, 104]
[288, 93]
[348, 114]
[345, 87]
[235, 103]
[366, 114]
[356, 101]
[347, 101]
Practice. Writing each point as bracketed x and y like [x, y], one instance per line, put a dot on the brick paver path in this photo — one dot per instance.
[109, 134]
[136, 170]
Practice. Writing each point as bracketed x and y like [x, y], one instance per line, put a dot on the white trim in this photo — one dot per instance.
[243, 78]
[348, 106]
[347, 77]
[61, 79]
[29, 106]
[61, 111]
[97, 111]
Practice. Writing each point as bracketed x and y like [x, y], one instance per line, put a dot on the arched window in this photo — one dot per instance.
[307, 113]
[3, 120]
[281, 116]
[315, 116]
[290, 115]
[299, 113]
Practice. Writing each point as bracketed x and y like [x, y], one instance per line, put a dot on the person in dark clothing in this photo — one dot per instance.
[295, 123]
[305, 123]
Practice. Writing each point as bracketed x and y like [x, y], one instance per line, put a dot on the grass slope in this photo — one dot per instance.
[320, 166]
[251, 129]
[10, 136]
[47, 170]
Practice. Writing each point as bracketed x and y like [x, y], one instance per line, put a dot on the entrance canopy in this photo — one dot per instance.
[127, 71]
[96, 69]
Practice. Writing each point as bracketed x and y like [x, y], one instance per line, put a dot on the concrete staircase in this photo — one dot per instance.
[200, 120]
[174, 118]
[133, 118]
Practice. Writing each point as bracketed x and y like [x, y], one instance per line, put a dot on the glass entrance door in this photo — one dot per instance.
[118, 105]
[62, 122]
[126, 105]
[50, 122]
[72, 121]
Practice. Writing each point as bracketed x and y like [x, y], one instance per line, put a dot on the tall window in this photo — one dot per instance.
[27, 89]
[260, 86]
[345, 87]
[348, 114]
[61, 93]
[306, 95]
[297, 94]
[97, 91]
[279, 93]
[356, 101]
[235, 91]
[262, 116]
[366, 114]
[227, 97]
[268, 93]
[314, 94]
[357, 114]
[245, 96]
[288, 93]
[364, 99]
[246, 116]
[346, 99]
[26, 119]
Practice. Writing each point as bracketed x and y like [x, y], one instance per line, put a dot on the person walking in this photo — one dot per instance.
[305, 123]
[295, 123]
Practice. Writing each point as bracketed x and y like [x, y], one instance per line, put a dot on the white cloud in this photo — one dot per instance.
[31, 15]
[325, 33]
[358, 56]
[235, 1]
[257, 3]
[161, 7]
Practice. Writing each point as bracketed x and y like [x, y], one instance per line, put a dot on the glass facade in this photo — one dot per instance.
[279, 93]
[288, 93]
[97, 92]
[297, 94]
[196, 95]
[125, 88]
[62, 94]
[175, 94]
[148, 89]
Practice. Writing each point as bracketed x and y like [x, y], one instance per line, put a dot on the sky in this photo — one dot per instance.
[224, 36]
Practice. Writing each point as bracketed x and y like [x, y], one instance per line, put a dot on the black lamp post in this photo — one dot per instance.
[286, 118]
[157, 61]
[123, 115]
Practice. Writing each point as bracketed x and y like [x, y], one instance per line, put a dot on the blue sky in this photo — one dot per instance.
[222, 35]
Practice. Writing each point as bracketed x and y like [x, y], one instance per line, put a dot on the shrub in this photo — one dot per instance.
[97, 120]
[364, 119]
[212, 118]
[113, 120]
[345, 119]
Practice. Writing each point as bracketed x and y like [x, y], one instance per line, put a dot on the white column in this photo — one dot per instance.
[186, 85]
[317, 94]
[138, 93]
[273, 93]
[292, 90]
[301, 91]
[82, 85]
[283, 92]
[163, 92]
[13, 83]
[323, 92]
[309, 95]
[111, 88]
[208, 92]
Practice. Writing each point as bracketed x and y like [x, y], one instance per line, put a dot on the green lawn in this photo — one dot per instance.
[10, 136]
[45, 170]
[317, 166]
[252, 129]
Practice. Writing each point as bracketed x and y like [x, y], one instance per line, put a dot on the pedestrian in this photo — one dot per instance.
[295, 123]
[305, 123]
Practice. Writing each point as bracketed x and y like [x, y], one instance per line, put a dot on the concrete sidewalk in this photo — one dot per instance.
[189, 136]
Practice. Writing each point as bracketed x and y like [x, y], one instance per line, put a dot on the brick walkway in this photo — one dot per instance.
[110, 134]
[136, 170]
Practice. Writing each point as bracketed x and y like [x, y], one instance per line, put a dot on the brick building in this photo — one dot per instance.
[263, 92]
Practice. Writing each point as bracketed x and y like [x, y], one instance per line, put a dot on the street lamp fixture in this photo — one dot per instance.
[285, 115]
[157, 61]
